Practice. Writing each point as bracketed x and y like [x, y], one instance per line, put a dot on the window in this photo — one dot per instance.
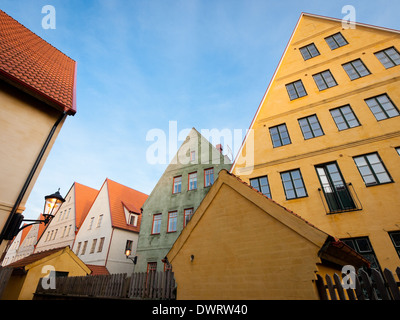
[101, 244]
[192, 155]
[336, 192]
[324, 80]
[372, 169]
[177, 187]
[188, 216]
[99, 221]
[208, 177]
[336, 41]
[93, 246]
[344, 118]
[395, 236]
[262, 185]
[84, 247]
[91, 223]
[172, 221]
[133, 219]
[279, 135]
[356, 69]
[398, 150]
[389, 57]
[309, 51]
[382, 107]
[293, 184]
[363, 246]
[192, 181]
[310, 127]
[79, 247]
[296, 90]
[151, 267]
[156, 228]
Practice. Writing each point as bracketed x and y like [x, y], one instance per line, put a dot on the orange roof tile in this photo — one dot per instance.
[84, 198]
[120, 195]
[98, 270]
[35, 66]
[24, 233]
[33, 257]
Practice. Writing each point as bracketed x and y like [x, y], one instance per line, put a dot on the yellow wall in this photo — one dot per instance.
[23, 287]
[25, 123]
[242, 252]
[380, 203]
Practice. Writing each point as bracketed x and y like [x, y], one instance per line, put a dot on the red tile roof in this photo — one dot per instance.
[32, 64]
[84, 197]
[98, 270]
[120, 196]
[33, 258]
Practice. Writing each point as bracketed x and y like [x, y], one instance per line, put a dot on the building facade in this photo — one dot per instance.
[111, 226]
[62, 229]
[327, 138]
[175, 198]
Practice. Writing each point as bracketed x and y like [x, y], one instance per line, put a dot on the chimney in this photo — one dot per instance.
[219, 148]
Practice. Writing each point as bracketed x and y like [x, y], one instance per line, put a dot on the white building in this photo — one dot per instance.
[62, 229]
[111, 225]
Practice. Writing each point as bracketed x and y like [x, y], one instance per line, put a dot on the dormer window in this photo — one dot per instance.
[133, 218]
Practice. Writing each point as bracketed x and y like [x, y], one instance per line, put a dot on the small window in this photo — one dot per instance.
[324, 80]
[208, 177]
[177, 185]
[84, 248]
[151, 267]
[356, 69]
[172, 221]
[336, 41]
[262, 185]
[188, 216]
[279, 135]
[372, 169]
[156, 228]
[389, 57]
[192, 155]
[78, 248]
[363, 246]
[94, 242]
[101, 244]
[344, 118]
[293, 184]
[91, 223]
[398, 150]
[192, 181]
[310, 127]
[309, 51]
[395, 237]
[382, 107]
[133, 219]
[296, 90]
[99, 221]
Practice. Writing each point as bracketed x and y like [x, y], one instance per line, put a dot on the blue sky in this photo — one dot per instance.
[142, 63]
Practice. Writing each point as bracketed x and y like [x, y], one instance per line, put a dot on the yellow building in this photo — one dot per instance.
[240, 245]
[326, 136]
[27, 272]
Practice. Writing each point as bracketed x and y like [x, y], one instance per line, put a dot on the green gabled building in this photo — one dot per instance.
[176, 197]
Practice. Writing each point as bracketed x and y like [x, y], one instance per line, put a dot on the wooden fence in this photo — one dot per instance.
[153, 285]
[368, 286]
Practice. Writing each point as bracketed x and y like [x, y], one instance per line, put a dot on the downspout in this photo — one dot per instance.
[30, 177]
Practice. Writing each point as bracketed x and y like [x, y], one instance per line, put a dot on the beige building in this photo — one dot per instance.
[37, 92]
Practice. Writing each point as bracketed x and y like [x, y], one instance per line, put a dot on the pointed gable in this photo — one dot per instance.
[121, 196]
[84, 197]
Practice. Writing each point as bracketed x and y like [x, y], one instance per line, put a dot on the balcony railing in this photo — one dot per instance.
[340, 198]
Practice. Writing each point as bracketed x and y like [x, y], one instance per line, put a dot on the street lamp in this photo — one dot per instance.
[128, 253]
[51, 205]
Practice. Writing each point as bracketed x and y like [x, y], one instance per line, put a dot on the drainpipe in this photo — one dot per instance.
[13, 212]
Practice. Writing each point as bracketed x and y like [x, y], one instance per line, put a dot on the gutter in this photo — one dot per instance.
[13, 214]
